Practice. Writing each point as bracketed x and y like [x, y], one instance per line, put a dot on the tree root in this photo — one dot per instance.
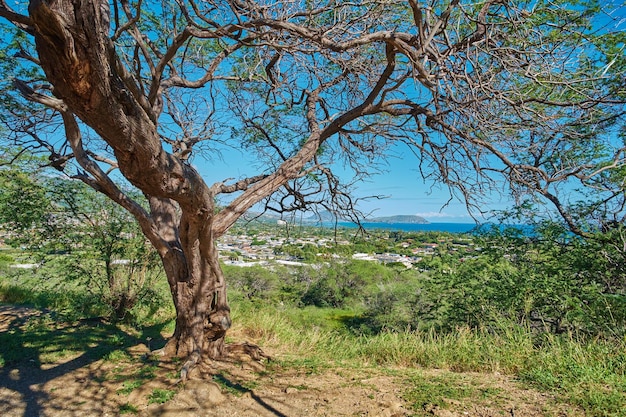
[236, 351]
[194, 359]
[245, 349]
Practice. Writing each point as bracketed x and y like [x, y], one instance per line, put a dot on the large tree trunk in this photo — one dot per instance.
[80, 62]
[202, 311]
[196, 282]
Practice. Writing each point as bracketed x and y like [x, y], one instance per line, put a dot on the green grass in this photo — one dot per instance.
[128, 409]
[160, 396]
[44, 340]
[590, 374]
[129, 386]
[426, 393]
[50, 287]
[586, 373]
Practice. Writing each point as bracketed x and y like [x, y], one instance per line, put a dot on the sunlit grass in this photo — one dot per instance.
[590, 374]
[160, 396]
[578, 371]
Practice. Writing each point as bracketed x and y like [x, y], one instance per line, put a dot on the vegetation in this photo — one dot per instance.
[106, 108]
[522, 96]
[493, 310]
[73, 231]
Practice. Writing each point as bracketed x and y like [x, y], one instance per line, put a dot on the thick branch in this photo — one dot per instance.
[31, 95]
[19, 20]
[106, 186]
[240, 185]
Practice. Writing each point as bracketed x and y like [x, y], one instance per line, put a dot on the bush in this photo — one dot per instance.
[5, 261]
[253, 282]
[343, 283]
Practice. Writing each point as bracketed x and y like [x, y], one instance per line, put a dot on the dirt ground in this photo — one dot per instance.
[79, 386]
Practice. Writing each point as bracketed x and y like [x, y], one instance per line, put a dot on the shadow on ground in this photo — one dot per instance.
[40, 356]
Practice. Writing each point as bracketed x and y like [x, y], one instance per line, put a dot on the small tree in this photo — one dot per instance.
[105, 246]
[102, 245]
[529, 93]
[23, 205]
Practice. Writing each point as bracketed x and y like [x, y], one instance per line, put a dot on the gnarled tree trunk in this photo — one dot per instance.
[80, 62]
[196, 283]
[202, 312]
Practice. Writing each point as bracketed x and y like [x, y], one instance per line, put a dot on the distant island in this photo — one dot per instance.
[403, 218]
[327, 216]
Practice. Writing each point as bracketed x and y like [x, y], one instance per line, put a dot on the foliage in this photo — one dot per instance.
[108, 252]
[525, 97]
[341, 283]
[382, 325]
[128, 408]
[23, 206]
[254, 283]
[557, 280]
[5, 261]
[548, 280]
[589, 373]
[84, 237]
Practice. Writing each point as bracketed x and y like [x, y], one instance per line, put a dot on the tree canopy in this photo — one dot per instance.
[529, 93]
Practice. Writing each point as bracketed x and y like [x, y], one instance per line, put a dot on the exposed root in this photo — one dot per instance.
[245, 349]
[233, 352]
[194, 359]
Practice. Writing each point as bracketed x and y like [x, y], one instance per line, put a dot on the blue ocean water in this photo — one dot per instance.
[413, 227]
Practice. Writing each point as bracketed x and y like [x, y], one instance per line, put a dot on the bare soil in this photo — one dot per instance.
[80, 386]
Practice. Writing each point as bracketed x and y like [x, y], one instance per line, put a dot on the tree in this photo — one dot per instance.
[529, 93]
[104, 247]
[101, 244]
[23, 205]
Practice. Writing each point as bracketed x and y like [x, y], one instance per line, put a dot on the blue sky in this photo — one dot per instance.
[408, 193]
[406, 190]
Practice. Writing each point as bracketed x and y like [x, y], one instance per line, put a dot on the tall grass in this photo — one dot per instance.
[590, 374]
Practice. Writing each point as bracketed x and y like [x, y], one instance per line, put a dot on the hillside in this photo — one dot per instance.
[327, 216]
[128, 380]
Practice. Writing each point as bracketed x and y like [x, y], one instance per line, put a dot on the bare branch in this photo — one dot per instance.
[42, 99]
[21, 21]
[102, 183]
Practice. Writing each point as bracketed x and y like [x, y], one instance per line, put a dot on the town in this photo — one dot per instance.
[257, 246]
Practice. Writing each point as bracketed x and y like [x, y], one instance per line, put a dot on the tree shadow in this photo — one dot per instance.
[236, 387]
[35, 349]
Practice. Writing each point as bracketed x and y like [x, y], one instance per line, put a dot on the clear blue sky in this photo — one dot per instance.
[406, 190]
[408, 193]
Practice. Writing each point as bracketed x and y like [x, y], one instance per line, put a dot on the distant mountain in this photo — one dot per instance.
[328, 216]
[403, 218]
[324, 216]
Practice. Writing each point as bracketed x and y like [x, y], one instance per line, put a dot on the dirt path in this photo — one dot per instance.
[79, 385]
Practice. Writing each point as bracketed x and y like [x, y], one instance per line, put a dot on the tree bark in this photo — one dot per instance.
[79, 60]
[196, 282]
[202, 311]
